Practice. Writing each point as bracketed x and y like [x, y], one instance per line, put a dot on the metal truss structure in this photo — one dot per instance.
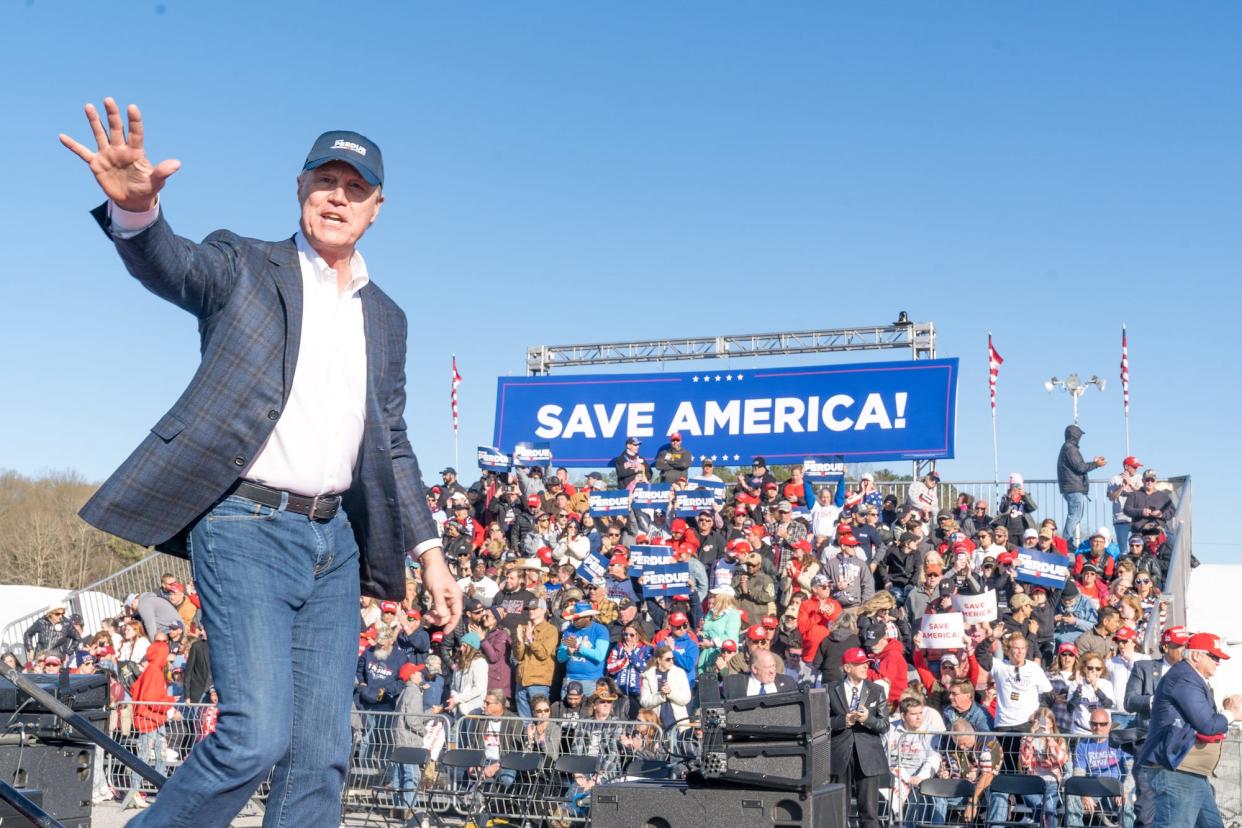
[919, 338]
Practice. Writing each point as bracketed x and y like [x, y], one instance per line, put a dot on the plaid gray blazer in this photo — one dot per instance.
[247, 297]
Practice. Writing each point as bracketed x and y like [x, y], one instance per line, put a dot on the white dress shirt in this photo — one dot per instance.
[314, 447]
[753, 686]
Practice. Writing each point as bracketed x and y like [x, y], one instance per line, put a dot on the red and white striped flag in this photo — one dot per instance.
[456, 382]
[1125, 372]
[994, 363]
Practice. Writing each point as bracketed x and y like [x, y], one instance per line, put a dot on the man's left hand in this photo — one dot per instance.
[443, 590]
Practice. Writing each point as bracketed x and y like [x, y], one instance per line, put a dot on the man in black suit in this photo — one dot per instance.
[858, 711]
[764, 678]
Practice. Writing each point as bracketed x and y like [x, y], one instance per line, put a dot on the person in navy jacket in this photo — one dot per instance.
[1184, 740]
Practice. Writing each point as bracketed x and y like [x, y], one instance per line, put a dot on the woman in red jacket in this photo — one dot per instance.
[153, 706]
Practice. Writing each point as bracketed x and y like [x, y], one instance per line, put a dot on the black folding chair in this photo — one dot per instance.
[459, 770]
[648, 768]
[391, 798]
[937, 788]
[1017, 785]
[1096, 787]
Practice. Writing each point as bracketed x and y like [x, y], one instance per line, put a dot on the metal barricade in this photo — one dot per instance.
[377, 782]
[1041, 775]
[373, 782]
[1047, 496]
[103, 598]
[540, 770]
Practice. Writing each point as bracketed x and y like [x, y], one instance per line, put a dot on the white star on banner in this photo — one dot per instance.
[737, 457]
[713, 458]
[739, 376]
[718, 378]
[696, 379]
[728, 378]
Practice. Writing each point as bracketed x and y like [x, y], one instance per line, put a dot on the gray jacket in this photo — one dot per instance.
[410, 725]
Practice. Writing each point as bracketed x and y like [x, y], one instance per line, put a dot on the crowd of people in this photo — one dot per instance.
[792, 584]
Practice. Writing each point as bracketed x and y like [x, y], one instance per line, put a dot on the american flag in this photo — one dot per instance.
[994, 363]
[1125, 372]
[456, 382]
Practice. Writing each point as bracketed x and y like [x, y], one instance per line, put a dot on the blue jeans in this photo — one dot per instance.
[280, 605]
[1183, 800]
[1122, 533]
[1046, 806]
[997, 807]
[527, 692]
[151, 748]
[405, 779]
[1076, 504]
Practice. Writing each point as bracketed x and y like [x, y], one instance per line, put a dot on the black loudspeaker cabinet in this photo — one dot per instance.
[778, 763]
[654, 804]
[82, 694]
[87, 695]
[801, 713]
[10, 816]
[63, 771]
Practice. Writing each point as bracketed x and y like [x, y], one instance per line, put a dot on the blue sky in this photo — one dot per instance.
[573, 172]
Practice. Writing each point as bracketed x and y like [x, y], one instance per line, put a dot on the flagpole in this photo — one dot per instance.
[1125, 385]
[456, 380]
[995, 457]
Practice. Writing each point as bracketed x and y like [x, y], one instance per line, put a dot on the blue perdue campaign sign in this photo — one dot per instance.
[857, 412]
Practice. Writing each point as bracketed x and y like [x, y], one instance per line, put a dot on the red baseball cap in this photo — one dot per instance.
[770, 622]
[804, 545]
[437, 636]
[1006, 558]
[847, 540]
[757, 633]
[640, 539]
[1132, 462]
[680, 525]
[729, 646]
[856, 655]
[1175, 636]
[1125, 634]
[769, 485]
[532, 501]
[1068, 647]
[618, 560]
[678, 619]
[388, 606]
[674, 436]
[545, 555]
[1207, 642]
[408, 670]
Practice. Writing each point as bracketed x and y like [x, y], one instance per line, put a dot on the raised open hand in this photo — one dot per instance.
[121, 166]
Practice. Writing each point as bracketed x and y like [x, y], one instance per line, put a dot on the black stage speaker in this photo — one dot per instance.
[654, 804]
[64, 771]
[786, 764]
[87, 695]
[800, 713]
[10, 816]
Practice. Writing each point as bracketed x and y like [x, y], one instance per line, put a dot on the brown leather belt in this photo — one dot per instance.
[323, 507]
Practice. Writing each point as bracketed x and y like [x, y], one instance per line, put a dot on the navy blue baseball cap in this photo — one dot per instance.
[354, 149]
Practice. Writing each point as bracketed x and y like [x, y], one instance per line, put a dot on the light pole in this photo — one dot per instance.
[1075, 387]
